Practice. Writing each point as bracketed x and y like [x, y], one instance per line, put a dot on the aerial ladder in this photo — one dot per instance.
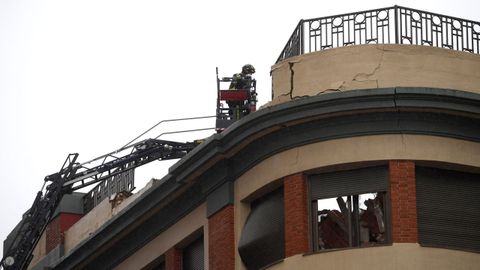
[74, 176]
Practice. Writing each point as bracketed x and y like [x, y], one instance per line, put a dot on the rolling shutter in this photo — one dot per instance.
[448, 208]
[193, 255]
[358, 181]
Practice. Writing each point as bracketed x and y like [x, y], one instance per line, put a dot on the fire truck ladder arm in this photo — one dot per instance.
[141, 153]
[35, 220]
[73, 176]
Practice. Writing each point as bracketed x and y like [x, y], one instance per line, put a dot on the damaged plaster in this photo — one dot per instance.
[373, 66]
[371, 76]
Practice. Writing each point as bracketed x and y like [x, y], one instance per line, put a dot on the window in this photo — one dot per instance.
[160, 266]
[349, 208]
[193, 255]
[350, 221]
[262, 239]
[448, 208]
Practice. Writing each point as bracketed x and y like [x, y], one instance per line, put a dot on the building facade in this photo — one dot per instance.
[367, 157]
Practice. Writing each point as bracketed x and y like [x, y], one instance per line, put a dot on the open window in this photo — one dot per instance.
[350, 221]
[349, 208]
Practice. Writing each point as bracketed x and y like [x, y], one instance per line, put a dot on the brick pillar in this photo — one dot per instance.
[403, 200]
[55, 231]
[221, 240]
[296, 215]
[173, 259]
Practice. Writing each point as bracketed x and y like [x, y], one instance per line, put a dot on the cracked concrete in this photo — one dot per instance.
[374, 66]
[292, 81]
[371, 76]
[292, 74]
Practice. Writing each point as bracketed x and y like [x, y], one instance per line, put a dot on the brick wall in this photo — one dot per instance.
[296, 215]
[173, 259]
[55, 232]
[403, 201]
[221, 239]
[54, 236]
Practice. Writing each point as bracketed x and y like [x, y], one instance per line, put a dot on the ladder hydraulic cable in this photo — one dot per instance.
[73, 176]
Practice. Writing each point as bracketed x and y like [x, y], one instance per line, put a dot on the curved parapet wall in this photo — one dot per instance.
[374, 66]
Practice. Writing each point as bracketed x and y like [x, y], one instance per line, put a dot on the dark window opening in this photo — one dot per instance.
[160, 266]
[193, 255]
[350, 221]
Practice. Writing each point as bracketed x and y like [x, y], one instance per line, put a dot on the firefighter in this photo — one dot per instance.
[240, 81]
[243, 80]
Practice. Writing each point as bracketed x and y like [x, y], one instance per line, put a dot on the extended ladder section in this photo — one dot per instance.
[19, 254]
[73, 176]
[232, 105]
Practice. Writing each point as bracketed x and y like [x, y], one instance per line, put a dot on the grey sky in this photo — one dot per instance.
[88, 76]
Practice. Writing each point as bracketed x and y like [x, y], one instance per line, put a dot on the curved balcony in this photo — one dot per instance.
[391, 25]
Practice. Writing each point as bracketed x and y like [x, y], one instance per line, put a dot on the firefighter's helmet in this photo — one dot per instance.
[248, 69]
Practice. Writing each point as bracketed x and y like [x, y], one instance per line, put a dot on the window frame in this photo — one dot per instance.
[313, 209]
[353, 206]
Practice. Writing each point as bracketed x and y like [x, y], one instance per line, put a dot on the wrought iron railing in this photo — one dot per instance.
[391, 25]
